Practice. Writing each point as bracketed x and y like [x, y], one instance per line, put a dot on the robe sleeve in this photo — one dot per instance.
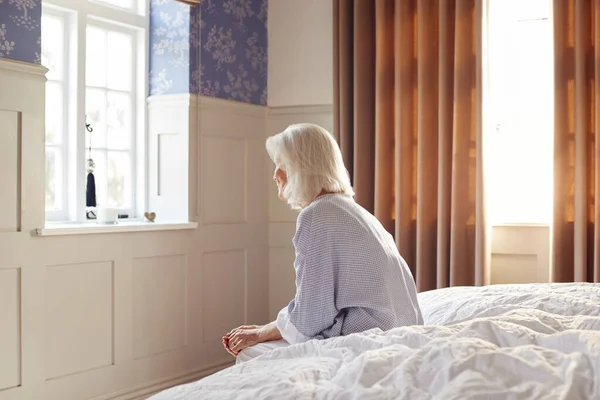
[313, 309]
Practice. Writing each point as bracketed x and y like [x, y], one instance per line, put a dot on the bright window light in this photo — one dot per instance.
[520, 147]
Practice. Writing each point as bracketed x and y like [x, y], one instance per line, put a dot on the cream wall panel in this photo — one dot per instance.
[281, 234]
[241, 169]
[300, 52]
[167, 149]
[257, 286]
[511, 268]
[10, 333]
[159, 305]
[224, 186]
[520, 254]
[79, 318]
[223, 293]
[10, 174]
[169, 137]
[282, 278]
[218, 117]
[22, 93]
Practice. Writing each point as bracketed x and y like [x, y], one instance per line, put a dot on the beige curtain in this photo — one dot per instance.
[407, 108]
[576, 226]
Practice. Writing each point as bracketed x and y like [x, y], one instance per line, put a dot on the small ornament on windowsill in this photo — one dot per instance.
[149, 216]
[90, 187]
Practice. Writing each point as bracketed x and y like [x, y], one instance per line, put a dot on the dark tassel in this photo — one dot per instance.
[90, 191]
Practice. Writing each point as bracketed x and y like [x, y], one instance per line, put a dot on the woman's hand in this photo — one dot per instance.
[248, 336]
[240, 338]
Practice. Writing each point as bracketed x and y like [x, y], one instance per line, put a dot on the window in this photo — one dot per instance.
[520, 149]
[54, 57]
[96, 55]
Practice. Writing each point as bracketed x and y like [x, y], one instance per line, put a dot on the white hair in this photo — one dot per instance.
[312, 161]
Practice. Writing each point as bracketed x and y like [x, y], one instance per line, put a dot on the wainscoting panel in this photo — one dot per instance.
[224, 183]
[79, 301]
[10, 173]
[223, 293]
[159, 305]
[124, 315]
[167, 156]
[508, 267]
[10, 330]
[520, 254]
[282, 278]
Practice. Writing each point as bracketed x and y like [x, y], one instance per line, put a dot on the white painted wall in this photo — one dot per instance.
[119, 316]
[300, 52]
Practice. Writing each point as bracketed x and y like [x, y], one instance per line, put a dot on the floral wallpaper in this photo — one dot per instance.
[218, 49]
[170, 47]
[20, 30]
[234, 50]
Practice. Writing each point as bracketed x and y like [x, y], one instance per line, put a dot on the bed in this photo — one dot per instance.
[522, 341]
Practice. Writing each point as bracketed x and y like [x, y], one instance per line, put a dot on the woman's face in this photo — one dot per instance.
[281, 178]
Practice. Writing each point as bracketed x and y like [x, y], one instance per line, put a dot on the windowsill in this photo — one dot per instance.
[92, 228]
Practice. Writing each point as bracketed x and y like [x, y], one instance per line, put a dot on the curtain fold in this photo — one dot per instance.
[408, 119]
[576, 222]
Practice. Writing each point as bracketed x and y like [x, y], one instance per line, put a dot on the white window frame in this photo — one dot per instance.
[78, 14]
[62, 214]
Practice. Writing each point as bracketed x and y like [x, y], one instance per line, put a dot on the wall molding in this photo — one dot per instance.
[22, 67]
[300, 109]
[170, 100]
[205, 102]
[149, 389]
[236, 107]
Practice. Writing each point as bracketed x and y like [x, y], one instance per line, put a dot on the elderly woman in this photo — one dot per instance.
[349, 275]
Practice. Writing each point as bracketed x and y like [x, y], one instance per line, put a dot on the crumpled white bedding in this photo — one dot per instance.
[538, 341]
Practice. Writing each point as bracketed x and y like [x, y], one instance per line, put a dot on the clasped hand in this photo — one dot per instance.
[249, 335]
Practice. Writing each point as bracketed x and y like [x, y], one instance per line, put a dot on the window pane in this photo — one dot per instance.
[54, 179]
[118, 118]
[119, 179]
[54, 113]
[53, 41]
[96, 57]
[95, 109]
[120, 57]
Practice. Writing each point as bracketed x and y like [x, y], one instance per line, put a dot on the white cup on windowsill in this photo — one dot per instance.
[107, 215]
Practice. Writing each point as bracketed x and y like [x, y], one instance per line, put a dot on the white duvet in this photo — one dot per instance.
[538, 341]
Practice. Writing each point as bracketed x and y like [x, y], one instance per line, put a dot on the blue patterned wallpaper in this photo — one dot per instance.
[218, 49]
[20, 30]
[171, 59]
[234, 50]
